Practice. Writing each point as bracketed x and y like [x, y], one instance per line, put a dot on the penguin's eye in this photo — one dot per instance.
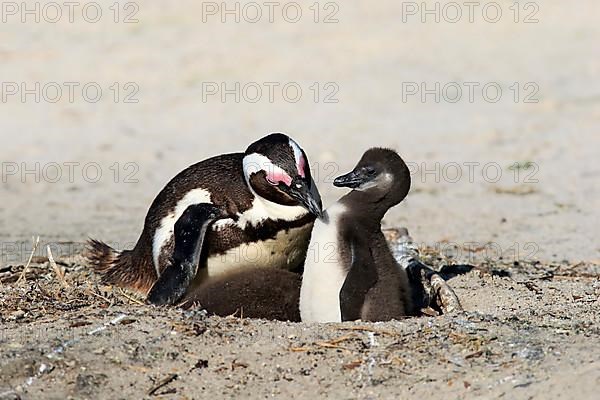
[370, 171]
[278, 176]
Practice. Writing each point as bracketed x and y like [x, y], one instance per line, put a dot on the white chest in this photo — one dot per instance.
[324, 274]
[285, 251]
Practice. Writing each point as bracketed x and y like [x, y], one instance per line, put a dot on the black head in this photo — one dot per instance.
[277, 169]
[380, 176]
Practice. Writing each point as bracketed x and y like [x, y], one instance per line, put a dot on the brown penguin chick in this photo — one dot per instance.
[267, 293]
[350, 272]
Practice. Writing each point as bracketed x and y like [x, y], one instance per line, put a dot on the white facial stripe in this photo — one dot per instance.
[300, 167]
[263, 209]
[383, 181]
[255, 162]
[167, 224]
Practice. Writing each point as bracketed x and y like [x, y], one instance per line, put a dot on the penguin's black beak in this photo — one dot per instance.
[352, 179]
[308, 196]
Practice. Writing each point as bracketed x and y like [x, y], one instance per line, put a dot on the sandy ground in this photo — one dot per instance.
[528, 331]
[514, 342]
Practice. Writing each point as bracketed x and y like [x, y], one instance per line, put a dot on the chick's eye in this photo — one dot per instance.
[271, 182]
[369, 171]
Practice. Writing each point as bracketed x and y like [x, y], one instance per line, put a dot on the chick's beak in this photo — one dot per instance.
[308, 196]
[352, 180]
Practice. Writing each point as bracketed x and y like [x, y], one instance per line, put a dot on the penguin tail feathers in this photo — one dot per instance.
[119, 268]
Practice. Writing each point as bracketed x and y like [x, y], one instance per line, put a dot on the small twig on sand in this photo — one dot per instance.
[90, 291]
[341, 339]
[332, 346]
[334, 343]
[60, 272]
[163, 382]
[368, 329]
[33, 249]
[329, 344]
[299, 349]
[130, 298]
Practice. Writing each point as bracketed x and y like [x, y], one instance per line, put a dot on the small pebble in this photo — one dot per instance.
[16, 315]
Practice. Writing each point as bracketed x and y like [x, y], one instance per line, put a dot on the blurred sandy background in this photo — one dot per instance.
[170, 53]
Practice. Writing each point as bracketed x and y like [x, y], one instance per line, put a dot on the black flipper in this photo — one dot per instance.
[361, 277]
[189, 233]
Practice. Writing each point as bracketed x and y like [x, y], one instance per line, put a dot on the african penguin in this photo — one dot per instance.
[229, 212]
[349, 272]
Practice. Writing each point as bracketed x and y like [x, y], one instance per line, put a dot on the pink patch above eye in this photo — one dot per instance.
[279, 176]
[301, 167]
